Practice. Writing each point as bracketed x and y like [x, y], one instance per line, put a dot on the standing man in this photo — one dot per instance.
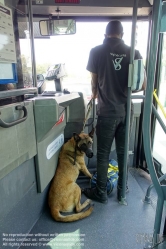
[109, 65]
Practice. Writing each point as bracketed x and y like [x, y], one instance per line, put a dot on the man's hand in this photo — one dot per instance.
[93, 96]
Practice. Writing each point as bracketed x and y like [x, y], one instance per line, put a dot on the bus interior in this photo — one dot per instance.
[44, 94]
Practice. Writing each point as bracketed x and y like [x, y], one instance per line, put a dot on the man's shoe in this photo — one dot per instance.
[96, 195]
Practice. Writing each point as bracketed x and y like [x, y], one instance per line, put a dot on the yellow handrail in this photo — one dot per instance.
[159, 103]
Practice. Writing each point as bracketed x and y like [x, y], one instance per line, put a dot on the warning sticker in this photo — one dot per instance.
[54, 146]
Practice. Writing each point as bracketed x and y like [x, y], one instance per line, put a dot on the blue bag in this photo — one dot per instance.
[112, 176]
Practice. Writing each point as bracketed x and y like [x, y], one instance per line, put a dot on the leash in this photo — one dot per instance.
[75, 153]
[74, 163]
[89, 107]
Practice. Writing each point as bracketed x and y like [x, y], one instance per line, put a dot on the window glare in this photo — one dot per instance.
[73, 50]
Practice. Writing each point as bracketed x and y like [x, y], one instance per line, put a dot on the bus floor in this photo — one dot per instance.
[110, 226]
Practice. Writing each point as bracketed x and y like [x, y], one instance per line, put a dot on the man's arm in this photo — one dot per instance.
[92, 68]
[94, 80]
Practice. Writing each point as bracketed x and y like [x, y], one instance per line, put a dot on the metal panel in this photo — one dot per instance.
[49, 132]
[77, 110]
[46, 111]
[18, 92]
[45, 166]
[108, 3]
[21, 205]
[89, 11]
[94, 8]
[15, 185]
[18, 142]
[46, 115]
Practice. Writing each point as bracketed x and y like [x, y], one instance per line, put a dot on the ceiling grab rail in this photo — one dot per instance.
[156, 19]
[134, 20]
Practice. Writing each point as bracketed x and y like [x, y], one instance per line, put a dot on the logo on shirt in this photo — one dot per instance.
[117, 62]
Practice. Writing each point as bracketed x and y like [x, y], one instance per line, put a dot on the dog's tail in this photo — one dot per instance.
[72, 217]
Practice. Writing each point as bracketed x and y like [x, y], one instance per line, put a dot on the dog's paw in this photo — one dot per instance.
[89, 201]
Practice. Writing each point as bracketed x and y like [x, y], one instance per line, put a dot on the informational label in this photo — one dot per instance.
[7, 42]
[54, 146]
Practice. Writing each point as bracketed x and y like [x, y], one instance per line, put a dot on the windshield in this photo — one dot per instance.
[74, 51]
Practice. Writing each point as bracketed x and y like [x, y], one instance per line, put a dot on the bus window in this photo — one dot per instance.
[74, 50]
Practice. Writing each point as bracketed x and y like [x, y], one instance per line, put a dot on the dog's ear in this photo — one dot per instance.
[92, 132]
[76, 137]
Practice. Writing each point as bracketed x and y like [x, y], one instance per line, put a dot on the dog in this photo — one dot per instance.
[64, 193]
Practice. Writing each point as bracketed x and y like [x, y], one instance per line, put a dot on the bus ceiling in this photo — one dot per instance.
[102, 8]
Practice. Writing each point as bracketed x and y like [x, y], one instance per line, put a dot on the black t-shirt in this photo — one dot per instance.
[110, 61]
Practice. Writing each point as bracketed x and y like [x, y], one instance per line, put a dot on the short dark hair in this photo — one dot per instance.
[114, 28]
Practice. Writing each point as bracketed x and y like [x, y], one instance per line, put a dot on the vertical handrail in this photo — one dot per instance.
[156, 19]
[32, 43]
[134, 20]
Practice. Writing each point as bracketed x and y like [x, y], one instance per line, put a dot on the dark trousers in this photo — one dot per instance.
[106, 130]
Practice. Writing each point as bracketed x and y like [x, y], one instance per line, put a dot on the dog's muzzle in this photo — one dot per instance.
[88, 151]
